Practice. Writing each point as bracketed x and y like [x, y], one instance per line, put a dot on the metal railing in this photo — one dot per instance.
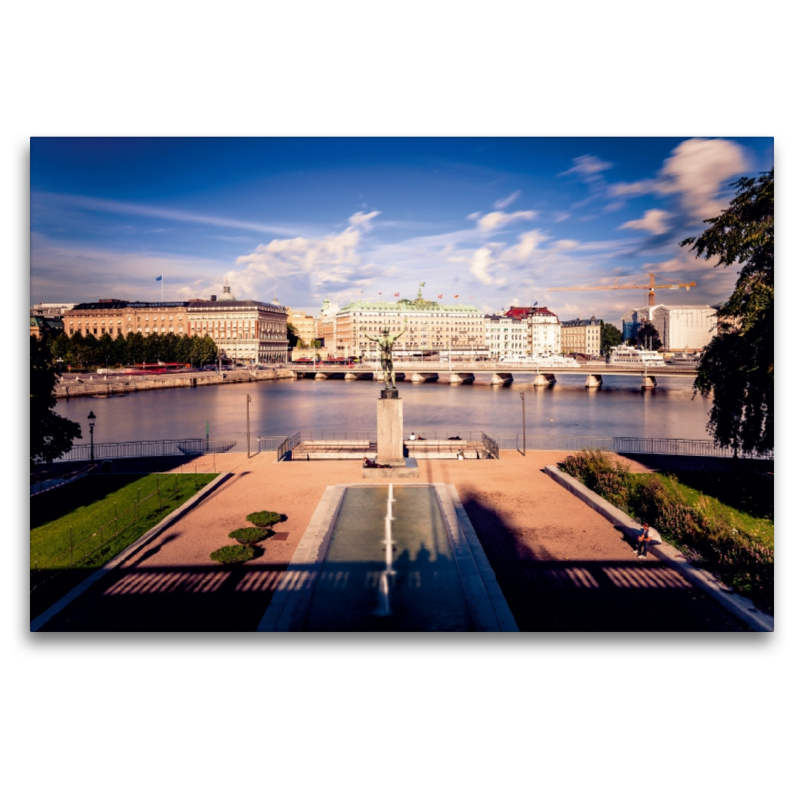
[265, 444]
[286, 447]
[625, 445]
[491, 447]
[148, 449]
[283, 445]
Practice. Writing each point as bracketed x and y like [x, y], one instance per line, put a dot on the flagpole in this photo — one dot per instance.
[162, 288]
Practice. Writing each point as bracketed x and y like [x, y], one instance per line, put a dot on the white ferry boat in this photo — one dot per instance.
[625, 355]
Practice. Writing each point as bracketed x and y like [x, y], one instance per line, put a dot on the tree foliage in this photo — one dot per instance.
[610, 336]
[79, 351]
[51, 434]
[738, 364]
[647, 336]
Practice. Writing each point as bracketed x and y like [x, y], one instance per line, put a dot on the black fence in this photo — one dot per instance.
[626, 445]
[148, 449]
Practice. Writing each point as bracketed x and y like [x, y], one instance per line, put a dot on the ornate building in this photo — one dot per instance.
[121, 317]
[433, 328]
[245, 331]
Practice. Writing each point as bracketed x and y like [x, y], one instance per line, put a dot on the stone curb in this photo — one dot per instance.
[739, 606]
[144, 539]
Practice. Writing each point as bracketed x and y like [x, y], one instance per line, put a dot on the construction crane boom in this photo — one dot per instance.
[652, 286]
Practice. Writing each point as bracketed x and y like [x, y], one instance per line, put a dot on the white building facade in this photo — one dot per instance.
[506, 337]
[432, 329]
[679, 327]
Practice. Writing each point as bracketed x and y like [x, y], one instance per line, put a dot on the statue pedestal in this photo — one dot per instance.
[390, 431]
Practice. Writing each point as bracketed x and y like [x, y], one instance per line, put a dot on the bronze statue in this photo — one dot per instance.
[386, 342]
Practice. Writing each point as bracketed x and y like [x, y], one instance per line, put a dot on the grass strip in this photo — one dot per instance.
[86, 523]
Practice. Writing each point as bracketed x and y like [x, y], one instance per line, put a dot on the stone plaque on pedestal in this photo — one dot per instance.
[390, 432]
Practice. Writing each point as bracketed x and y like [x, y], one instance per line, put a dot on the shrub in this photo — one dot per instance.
[233, 554]
[704, 537]
[249, 535]
[264, 519]
[588, 465]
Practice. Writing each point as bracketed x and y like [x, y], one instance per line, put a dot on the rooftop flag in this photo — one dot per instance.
[440, 296]
[160, 277]
[455, 295]
[423, 283]
[397, 294]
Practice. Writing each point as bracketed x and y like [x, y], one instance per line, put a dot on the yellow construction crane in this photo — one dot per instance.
[652, 286]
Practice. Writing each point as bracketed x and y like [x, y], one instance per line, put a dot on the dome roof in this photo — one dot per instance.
[226, 294]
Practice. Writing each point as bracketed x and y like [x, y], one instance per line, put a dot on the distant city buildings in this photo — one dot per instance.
[51, 310]
[433, 328]
[304, 324]
[581, 336]
[680, 327]
[506, 336]
[243, 330]
[544, 329]
[121, 317]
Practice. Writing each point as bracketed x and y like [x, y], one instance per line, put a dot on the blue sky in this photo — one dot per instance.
[495, 221]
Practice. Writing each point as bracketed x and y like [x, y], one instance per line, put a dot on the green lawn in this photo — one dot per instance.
[86, 523]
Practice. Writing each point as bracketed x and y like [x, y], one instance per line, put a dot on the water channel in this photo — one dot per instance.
[618, 408]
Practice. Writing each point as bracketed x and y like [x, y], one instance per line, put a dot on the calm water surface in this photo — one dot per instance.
[619, 408]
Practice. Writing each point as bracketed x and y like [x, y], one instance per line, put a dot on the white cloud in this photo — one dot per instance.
[587, 167]
[698, 171]
[653, 221]
[506, 201]
[481, 260]
[499, 219]
[474, 215]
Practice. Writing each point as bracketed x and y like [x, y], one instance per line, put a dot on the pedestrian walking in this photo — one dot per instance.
[644, 541]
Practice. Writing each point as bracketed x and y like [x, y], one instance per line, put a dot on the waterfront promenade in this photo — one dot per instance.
[561, 566]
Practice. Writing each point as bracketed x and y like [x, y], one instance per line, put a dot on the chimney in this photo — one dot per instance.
[213, 298]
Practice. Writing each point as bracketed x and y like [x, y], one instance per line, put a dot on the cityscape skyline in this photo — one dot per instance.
[492, 222]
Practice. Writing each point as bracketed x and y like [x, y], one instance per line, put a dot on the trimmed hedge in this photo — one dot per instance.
[249, 535]
[233, 554]
[264, 519]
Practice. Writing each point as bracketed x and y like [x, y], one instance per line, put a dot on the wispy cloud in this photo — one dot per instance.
[697, 173]
[653, 221]
[506, 201]
[499, 219]
[161, 212]
[587, 168]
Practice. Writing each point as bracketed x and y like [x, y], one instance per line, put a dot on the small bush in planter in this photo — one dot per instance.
[233, 554]
[249, 535]
[264, 519]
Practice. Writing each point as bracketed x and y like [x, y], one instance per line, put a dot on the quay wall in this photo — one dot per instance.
[123, 384]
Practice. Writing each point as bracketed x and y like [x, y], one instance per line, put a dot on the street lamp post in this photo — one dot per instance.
[249, 399]
[524, 441]
[91, 419]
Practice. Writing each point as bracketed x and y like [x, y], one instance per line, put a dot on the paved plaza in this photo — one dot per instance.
[560, 565]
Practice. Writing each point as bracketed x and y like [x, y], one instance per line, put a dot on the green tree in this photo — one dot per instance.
[647, 336]
[51, 434]
[738, 364]
[291, 333]
[610, 336]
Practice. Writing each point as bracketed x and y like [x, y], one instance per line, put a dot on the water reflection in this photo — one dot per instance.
[618, 408]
